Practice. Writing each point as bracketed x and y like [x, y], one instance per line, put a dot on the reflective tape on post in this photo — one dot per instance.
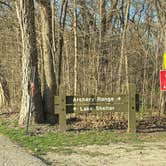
[164, 61]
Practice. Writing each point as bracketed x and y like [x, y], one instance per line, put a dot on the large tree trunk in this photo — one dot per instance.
[49, 75]
[25, 13]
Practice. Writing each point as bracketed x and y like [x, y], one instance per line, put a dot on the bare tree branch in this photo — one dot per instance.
[6, 4]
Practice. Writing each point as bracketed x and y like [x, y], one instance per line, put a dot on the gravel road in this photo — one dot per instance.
[13, 155]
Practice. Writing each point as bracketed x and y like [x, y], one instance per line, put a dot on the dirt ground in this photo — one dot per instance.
[144, 154]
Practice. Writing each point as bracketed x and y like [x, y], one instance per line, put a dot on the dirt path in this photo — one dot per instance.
[13, 155]
[146, 154]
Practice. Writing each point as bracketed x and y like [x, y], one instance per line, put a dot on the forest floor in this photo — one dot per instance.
[107, 145]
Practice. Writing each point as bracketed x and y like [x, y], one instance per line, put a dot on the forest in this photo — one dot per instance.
[85, 46]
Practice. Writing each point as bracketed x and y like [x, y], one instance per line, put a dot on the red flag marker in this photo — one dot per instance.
[32, 88]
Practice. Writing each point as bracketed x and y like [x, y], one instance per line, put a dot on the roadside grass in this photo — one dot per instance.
[63, 142]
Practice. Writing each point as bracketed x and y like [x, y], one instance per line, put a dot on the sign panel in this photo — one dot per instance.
[163, 80]
[96, 104]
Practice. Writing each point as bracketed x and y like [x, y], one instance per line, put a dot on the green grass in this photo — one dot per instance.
[63, 143]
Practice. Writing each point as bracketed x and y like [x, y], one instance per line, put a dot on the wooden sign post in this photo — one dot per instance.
[132, 109]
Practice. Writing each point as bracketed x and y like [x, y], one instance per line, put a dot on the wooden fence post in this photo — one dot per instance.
[62, 109]
[131, 109]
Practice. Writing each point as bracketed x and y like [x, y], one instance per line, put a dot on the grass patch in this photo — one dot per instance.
[63, 143]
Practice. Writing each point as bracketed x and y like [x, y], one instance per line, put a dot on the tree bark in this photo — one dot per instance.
[49, 75]
[103, 55]
[26, 17]
[61, 39]
[75, 46]
[123, 56]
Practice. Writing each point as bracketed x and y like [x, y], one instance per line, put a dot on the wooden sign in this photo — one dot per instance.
[90, 104]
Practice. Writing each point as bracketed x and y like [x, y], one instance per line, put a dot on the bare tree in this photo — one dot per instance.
[123, 56]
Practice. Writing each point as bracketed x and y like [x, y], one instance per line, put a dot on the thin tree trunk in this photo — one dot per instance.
[154, 81]
[103, 59]
[122, 55]
[75, 47]
[53, 8]
[67, 75]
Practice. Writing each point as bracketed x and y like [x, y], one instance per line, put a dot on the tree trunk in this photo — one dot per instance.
[103, 55]
[61, 39]
[26, 17]
[123, 56]
[49, 75]
[75, 47]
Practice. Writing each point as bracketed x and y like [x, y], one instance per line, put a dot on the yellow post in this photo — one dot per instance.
[164, 61]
